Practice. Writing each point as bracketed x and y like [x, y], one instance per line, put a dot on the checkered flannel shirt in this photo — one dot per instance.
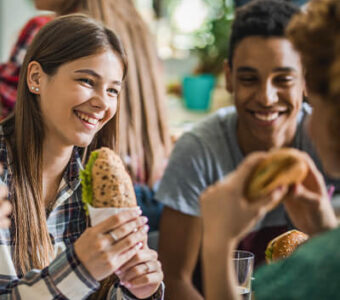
[9, 71]
[65, 277]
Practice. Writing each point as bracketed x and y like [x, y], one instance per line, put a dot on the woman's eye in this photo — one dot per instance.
[113, 92]
[86, 81]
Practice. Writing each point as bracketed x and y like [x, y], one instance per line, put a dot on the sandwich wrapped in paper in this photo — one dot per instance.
[106, 186]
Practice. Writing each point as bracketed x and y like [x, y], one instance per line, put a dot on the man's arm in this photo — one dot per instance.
[179, 247]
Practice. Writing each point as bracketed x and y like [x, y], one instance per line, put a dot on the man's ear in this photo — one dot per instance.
[305, 93]
[34, 77]
[227, 76]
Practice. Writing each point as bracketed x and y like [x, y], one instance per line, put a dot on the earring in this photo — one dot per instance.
[36, 89]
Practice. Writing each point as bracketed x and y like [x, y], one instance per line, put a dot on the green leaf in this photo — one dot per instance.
[269, 253]
[86, 180]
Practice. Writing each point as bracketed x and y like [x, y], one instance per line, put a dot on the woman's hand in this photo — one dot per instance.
[104, 248]
[226, 213]
[308, 203]
[5, 206]
[142, 275]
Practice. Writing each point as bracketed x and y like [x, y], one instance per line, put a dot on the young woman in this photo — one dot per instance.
[311, 271]
[67, 106]
[144, 139]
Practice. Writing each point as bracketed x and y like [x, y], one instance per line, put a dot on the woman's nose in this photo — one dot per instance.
[100, 100]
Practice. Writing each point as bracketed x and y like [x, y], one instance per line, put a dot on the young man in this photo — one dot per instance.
[266, 77]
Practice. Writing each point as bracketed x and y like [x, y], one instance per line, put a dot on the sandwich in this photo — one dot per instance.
[282, 167]
[106, 184]
[284, 245]
[105, 181]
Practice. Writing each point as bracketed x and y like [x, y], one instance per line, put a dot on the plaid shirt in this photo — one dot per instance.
[65, 277]
[9, 71]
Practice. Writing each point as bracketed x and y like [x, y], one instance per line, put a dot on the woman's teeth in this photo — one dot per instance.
[266, 117]
[86, 118]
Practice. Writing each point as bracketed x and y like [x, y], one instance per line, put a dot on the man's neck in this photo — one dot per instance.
[249, 143]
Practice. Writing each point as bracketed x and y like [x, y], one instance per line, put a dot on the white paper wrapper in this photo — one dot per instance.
[100, 214]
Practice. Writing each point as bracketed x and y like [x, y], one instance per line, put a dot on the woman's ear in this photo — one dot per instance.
[227, 76]
[34, 77]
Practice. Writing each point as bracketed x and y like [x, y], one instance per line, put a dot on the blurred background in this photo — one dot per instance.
[191, 37]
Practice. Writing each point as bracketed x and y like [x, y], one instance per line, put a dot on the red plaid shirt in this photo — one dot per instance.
[9, 71]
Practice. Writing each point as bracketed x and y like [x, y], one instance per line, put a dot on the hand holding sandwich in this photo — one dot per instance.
[308, 203]
[231, 207]
[102, 253]
[227, 216]
[225, 209]
[119, 243]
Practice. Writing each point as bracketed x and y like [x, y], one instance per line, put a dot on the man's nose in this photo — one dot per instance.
[268, 94]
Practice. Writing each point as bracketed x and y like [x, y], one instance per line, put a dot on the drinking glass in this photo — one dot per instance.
[244, 266]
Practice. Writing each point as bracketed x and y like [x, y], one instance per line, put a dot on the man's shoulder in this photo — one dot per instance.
[216, 125]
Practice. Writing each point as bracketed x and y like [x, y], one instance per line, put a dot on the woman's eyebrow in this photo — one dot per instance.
[95, 74]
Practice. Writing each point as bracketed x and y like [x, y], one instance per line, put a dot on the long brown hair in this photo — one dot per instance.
[63, 40]
[144, 139]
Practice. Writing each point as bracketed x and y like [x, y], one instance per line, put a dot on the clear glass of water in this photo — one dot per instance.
[244, 266]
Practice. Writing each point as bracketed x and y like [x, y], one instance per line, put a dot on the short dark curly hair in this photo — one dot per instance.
[316, 35]
[265, 18]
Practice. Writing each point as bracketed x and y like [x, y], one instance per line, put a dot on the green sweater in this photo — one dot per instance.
[312, 272]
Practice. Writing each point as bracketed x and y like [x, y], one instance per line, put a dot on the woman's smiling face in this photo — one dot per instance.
[80, 98]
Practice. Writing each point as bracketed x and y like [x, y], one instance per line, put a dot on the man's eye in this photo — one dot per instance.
[247, 79]
[86, 81]
[284, 79]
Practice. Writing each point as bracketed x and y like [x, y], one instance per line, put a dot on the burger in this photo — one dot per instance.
[282, 167]
[284, 245]
[105, 181]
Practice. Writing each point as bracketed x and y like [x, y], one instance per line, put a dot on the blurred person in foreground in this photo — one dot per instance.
[265, 75]
[312, 271]
[144, 134]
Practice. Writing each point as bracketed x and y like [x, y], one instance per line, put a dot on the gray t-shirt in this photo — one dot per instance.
[209, 152]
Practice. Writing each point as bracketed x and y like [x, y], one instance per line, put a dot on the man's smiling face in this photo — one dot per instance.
[267, 81]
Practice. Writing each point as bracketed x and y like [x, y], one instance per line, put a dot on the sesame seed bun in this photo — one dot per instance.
[282, 167]
[112, 185]
[284, 245]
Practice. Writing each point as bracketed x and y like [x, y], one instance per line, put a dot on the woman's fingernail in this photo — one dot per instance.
[145, 228]
[118, 272]
[145, 219]
[128, 285]
[135, 229]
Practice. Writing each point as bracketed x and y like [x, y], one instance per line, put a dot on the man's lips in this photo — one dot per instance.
[267, 116]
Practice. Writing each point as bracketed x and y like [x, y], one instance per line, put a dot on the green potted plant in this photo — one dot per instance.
[211, 48]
